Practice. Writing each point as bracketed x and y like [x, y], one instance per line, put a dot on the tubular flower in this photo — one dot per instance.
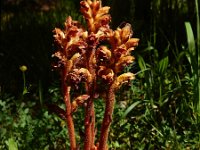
[73, 61]
[121, 39]
[125, 33]
[106, 74]
[123, 61]
[131, 43]
[78, 75]
[64, 62]
[75, 57]
[123, 78]
[103, 53]
[59, 36]
[79, 101]
[61, 59]
[121, 35]
[120, 51]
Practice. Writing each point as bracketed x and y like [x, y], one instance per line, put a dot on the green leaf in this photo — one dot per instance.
[129, 109]
[191, 45]
[149, 48]
[190, 38]
[163, 64]
[25, 91]
[141, 62]
[12, 145]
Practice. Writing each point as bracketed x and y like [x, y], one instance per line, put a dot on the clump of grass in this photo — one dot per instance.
[193, 56]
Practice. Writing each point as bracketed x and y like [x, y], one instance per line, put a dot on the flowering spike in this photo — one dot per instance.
[94, 56]
[95, 15]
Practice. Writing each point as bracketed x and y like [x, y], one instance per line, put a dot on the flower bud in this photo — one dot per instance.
[23, 68]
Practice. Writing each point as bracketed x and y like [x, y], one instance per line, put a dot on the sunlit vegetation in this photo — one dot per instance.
[160, 109]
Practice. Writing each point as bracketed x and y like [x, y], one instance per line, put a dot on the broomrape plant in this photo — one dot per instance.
[92, 58]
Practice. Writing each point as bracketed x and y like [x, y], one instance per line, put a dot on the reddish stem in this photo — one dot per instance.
[93, 129]
[90, 113]
[110, 100]
[89, 122]
[69, 118]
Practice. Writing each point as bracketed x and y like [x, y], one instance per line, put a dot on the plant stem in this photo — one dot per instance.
[24, 80]
[90, 115]
[25, 91]
[107, 118]
[69, 119]
[93, 128]
[88, 125]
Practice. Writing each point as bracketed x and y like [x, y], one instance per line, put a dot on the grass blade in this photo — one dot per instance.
[163, 64]
[129, 109]
[191, 45]
[194, 62]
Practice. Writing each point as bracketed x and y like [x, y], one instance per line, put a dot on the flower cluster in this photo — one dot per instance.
[75, 44]
[83, 56]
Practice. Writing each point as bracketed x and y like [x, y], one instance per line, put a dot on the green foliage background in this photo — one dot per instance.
[158, 110]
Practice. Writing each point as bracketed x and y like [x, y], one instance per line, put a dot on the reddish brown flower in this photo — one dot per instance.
[103, 54]
[79, 101]
[123, 78]
[78, 75]
[123, 62]
[122, 36]
[106, 74]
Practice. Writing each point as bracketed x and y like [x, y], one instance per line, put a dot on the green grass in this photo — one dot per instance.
[193, 56]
